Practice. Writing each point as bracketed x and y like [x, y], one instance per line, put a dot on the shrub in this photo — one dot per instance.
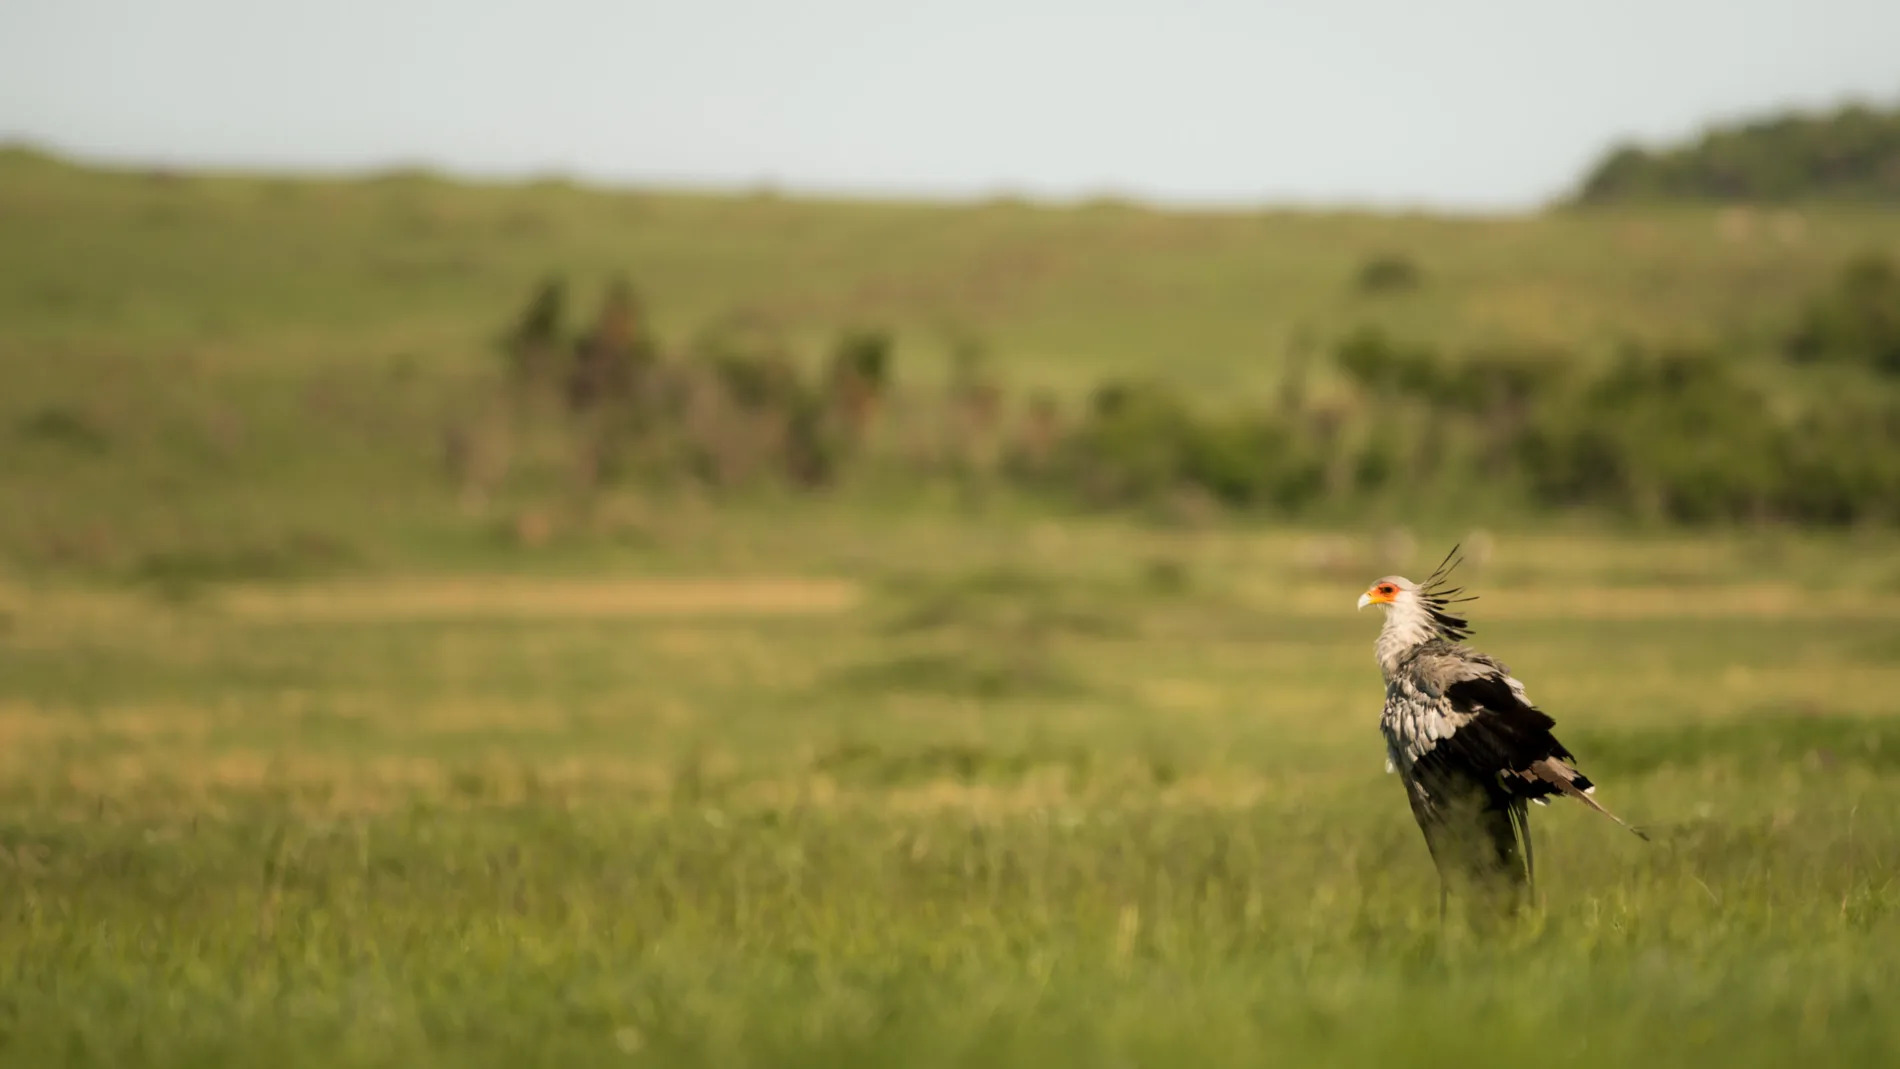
[863, 356]
[859, 377]
[1389, 274]
[1857, 320]
[612, 358]
[1381, 366]
[1674, 433]
[1141, 443]
[533, 344]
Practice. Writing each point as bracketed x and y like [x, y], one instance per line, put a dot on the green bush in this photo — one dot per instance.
[1141, 442]
[1380, 365]
[1857, 320]
[1843, 466]
[1675, 434]
[1482, 383]
[1679, 435]
[534, 343]
[863, 356]
[1393, 273]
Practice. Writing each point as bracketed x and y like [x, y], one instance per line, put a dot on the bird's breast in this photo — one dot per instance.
[1415, 721]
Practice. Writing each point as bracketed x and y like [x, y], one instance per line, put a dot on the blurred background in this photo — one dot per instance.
[787, 527]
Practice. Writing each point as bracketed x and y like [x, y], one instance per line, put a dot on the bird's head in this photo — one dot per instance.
[1392, 590]
[1425, 605]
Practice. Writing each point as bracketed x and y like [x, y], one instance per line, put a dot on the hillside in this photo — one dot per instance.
[291, 272]
[255, 362]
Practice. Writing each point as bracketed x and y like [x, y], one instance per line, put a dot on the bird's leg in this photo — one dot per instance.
[1444, 894]
[1530, 867]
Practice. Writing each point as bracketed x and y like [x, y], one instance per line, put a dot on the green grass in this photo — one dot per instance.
[305, 761]
[254, 375]
[262, 272]
[460, 822]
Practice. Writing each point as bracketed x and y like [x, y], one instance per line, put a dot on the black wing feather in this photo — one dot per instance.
[1478, 821]
[1508, 735]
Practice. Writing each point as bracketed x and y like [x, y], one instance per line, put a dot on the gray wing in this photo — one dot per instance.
[1486, 728]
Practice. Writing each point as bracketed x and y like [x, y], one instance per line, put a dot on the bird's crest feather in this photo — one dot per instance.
[1438, 598]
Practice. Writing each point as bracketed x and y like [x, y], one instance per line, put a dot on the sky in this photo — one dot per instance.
[1446, 104]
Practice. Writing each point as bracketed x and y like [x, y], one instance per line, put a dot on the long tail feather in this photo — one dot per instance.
[1521, 820]
[1562, 777]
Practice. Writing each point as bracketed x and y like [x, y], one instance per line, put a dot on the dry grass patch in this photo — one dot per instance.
[512, 598]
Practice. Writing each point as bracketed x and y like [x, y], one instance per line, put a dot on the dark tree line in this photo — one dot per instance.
[1851, 153]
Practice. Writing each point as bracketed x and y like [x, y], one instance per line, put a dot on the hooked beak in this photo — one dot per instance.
[1365, 600]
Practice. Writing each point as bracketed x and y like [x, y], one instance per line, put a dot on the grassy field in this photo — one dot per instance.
[305, 761]
[1072, 793]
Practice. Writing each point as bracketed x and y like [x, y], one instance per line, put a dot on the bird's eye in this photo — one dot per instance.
[1387, 589]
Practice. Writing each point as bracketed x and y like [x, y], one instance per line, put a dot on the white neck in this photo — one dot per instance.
[1407, 627]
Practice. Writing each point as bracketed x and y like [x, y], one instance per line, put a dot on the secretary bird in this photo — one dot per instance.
[1468, 745]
